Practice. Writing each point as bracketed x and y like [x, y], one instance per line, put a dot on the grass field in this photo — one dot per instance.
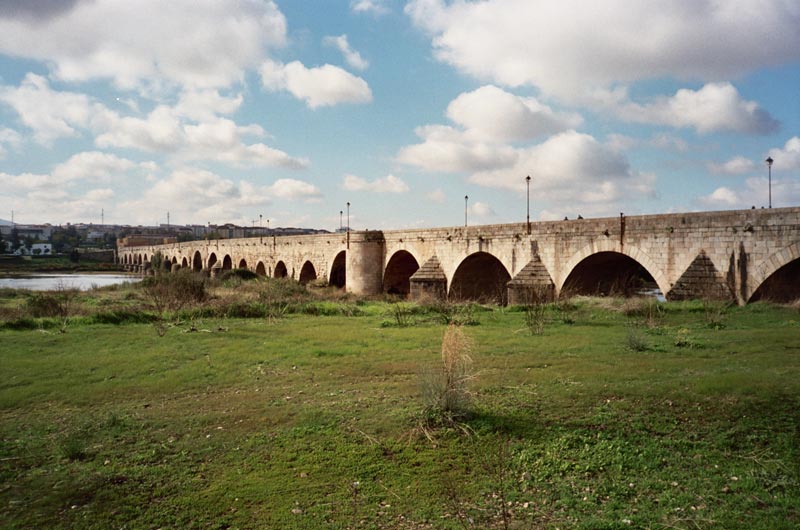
[613, 417]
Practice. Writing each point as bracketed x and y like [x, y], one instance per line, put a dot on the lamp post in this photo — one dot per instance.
[466, 200]
[528, 183]
[341, 225]
[769, 162]
[260, 228]
[348, 226]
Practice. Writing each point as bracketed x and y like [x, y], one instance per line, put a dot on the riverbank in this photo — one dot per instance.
[11, 265]
[315, 412]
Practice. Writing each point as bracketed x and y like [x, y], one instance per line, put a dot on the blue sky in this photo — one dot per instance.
[221, 111]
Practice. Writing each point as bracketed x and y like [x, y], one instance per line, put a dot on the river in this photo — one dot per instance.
[49, 282]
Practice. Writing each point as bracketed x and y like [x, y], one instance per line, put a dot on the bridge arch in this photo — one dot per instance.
[242, 264]
[261, 270]
[184, 263]
[167, 265]
[212, 260]
[338, 274]
[397, 274]
[631, 252]
[280, 270]
[307, 273]
[779, 276]
[227, 263]
[197, 261]
[480, 277]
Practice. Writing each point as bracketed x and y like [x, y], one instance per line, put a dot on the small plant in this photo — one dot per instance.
[535, 318]
[636, 340]
[683, 339]
[445, 390]
[402, 315]
[171, 292]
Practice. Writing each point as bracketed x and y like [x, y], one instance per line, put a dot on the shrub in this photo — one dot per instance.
[636, 340]
[445, 390]
[241, 274]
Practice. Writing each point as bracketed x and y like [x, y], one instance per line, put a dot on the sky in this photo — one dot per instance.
[244, 111]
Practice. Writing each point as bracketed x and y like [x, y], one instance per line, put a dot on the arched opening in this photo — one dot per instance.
[280, 270]
[174, 260]
[139, 259]
[338, 277]
[184, 263]
[781, 286]
[610, 274]
[242, 263]
[397, 276]
[260, 269]
[197, 262]
[212, 260]
[227, 263]
[308, 273]
[167, 266]
[481, 277]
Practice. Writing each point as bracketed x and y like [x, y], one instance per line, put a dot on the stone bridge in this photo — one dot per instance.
[741, 255]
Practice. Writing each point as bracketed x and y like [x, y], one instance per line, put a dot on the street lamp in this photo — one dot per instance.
[348, 226]
[341, 225]
[769, 162]
[528, 183]
[466, 200]
[260, 228]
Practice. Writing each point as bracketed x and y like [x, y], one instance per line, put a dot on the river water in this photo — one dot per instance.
[48, 282]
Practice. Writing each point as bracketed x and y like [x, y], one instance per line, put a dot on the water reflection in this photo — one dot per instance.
[48, 282]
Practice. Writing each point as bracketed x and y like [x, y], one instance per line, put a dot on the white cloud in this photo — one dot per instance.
[320, 86]
[8, 137]
[481, 209]
[735, 166]
[494, 114]
[376, 7]
[352, 57]
[716, 107]
[92, 165]
[573, 47]
[721, 197]
[50, 114]
[294, 189]
[788, 158]
[206, 43]
[436, 196]
[575, 171]
[754, 192]
[447, 149]
[206, 105]
[387, 184]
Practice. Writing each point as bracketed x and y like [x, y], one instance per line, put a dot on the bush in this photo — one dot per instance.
[445, 390]
[241, 274]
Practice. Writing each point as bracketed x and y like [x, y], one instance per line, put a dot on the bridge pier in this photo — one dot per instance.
[364, 268]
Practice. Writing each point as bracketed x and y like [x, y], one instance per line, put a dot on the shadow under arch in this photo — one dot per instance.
[212, 260]
[197, 261]
[307, 273]
[610, 246]
[242, 264]
[397, 275]
[608, 273]
[261, 270]
[338, 275]
[280, 270]
[480, 277]
[227, 263]
[780, 278]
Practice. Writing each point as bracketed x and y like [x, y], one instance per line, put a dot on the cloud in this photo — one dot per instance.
[8, 137]
[387, 184]
[92, 165]
[572, 170]
[735, 166]
[754, 192]
[352, 57]
[447, 149]
[320, 86]
[716, 107]
[50, 114]
[206, 105]
[294, 189]
[481, 209]
[492, 113]
[376, 7]
[187, 43]
[436, 196]
[489, 118]
[788, 158]
[603, 44]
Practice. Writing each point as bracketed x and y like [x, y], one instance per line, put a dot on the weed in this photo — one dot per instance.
[636, 340]
[445, 391]
[535, 318]
[402, 315]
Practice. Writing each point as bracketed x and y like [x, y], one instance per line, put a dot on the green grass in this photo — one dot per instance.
[312, 421]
